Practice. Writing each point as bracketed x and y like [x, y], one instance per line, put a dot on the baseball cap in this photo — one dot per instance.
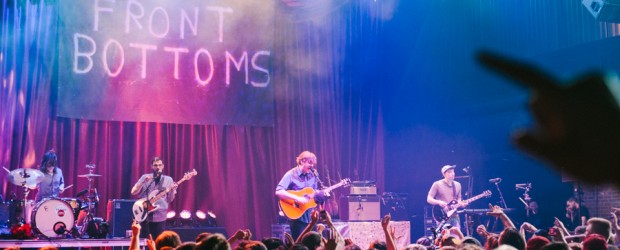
[446, 168]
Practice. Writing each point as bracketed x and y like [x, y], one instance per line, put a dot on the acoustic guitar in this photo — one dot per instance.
[293, 210]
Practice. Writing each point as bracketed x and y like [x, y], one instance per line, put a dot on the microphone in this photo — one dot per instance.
[495, 180]
[466, 169]
[523, 185]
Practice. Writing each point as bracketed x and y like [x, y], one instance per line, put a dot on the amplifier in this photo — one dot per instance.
[119, 217]
[363, 190]
[360, 208]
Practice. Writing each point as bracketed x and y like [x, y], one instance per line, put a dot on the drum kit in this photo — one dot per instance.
[54, 217]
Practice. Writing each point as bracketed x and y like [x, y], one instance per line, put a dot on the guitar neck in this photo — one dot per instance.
[330, 188]
[475, 198]
[161, 194]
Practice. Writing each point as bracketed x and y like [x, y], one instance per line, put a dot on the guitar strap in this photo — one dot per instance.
[454, 191]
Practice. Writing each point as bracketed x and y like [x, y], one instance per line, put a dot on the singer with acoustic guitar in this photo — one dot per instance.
[444, 191]
[154, 222]
[301, 176]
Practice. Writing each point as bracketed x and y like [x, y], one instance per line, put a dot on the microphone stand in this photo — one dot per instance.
[501, 196]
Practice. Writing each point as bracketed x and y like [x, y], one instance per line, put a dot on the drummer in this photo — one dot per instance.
[53, 183]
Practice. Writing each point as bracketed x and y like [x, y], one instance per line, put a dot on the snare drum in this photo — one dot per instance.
[52, 217]
[76, 204]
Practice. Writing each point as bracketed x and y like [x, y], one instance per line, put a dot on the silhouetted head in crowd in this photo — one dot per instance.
[536, 243]
[594, 242]
[415, 246]
[379, 245]
[213, 242]
[202, 236]
[424, 241]
[251, 245]
[450, 241]
[469, 247]
[312, 240]
[510, 236]
[556, 246]
[299, 246]
[599, 226]
[470, 240]
[352, 247]
[186, 246]
[167, 238]
[274, 243]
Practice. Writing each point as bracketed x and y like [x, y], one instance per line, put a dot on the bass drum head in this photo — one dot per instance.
[50, 216]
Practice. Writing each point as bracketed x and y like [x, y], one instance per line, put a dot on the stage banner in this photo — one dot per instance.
[189, 61]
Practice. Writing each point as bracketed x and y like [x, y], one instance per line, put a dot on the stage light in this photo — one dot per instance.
[185, 214]
[201, 215]
[203, 219]
[171, 214]
[171, 219]
[212, 215]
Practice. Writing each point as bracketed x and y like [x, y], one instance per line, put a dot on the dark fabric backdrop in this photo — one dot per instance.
[326, 102]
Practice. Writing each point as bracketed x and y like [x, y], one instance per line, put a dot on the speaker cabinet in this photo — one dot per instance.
[360, 208]
[119, 217]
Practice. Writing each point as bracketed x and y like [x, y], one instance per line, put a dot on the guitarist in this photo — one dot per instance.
[446, 190]
[301, 176]
[154, 224]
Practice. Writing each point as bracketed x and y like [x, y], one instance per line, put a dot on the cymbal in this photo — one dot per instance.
[25, 176]
[89, 175]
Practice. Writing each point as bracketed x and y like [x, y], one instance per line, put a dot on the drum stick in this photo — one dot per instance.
[67, 187]
[6, 170]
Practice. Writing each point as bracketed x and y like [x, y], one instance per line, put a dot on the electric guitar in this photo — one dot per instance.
[143, 207]
[440, 213]
[293, 210]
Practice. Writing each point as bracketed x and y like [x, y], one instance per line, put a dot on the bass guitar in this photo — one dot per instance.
[440, 214]
[143, 207]
[293, 210]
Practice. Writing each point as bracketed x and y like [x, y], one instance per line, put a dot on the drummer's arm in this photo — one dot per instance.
[61, 187]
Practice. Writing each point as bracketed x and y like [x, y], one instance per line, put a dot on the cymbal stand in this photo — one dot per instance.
[24, 202]
[90, 210]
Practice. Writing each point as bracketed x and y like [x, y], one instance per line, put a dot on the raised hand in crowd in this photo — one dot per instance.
[497, 211]
[482, 231]
[135, 236]
[247, 235]
[288, 242]
[150, 243]
[239, 236]
[559, 224]
[527, 227]
[577, 121]
[389, 236]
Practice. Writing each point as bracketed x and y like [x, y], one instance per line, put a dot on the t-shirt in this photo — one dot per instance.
[440, 190]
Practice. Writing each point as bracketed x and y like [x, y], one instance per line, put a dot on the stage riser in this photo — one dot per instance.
[189, 234]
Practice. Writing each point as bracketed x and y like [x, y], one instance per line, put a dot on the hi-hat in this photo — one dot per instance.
[25, 177]
[89, 175]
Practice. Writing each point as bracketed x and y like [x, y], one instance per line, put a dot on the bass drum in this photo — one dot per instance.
[52, 217]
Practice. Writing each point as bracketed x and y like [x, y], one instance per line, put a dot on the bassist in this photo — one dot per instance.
[154, 224]
[445, 190]
[302, 176]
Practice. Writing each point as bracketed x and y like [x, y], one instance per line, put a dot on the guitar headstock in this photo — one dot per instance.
[487, 193]
[190, 174]
[345, 182]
